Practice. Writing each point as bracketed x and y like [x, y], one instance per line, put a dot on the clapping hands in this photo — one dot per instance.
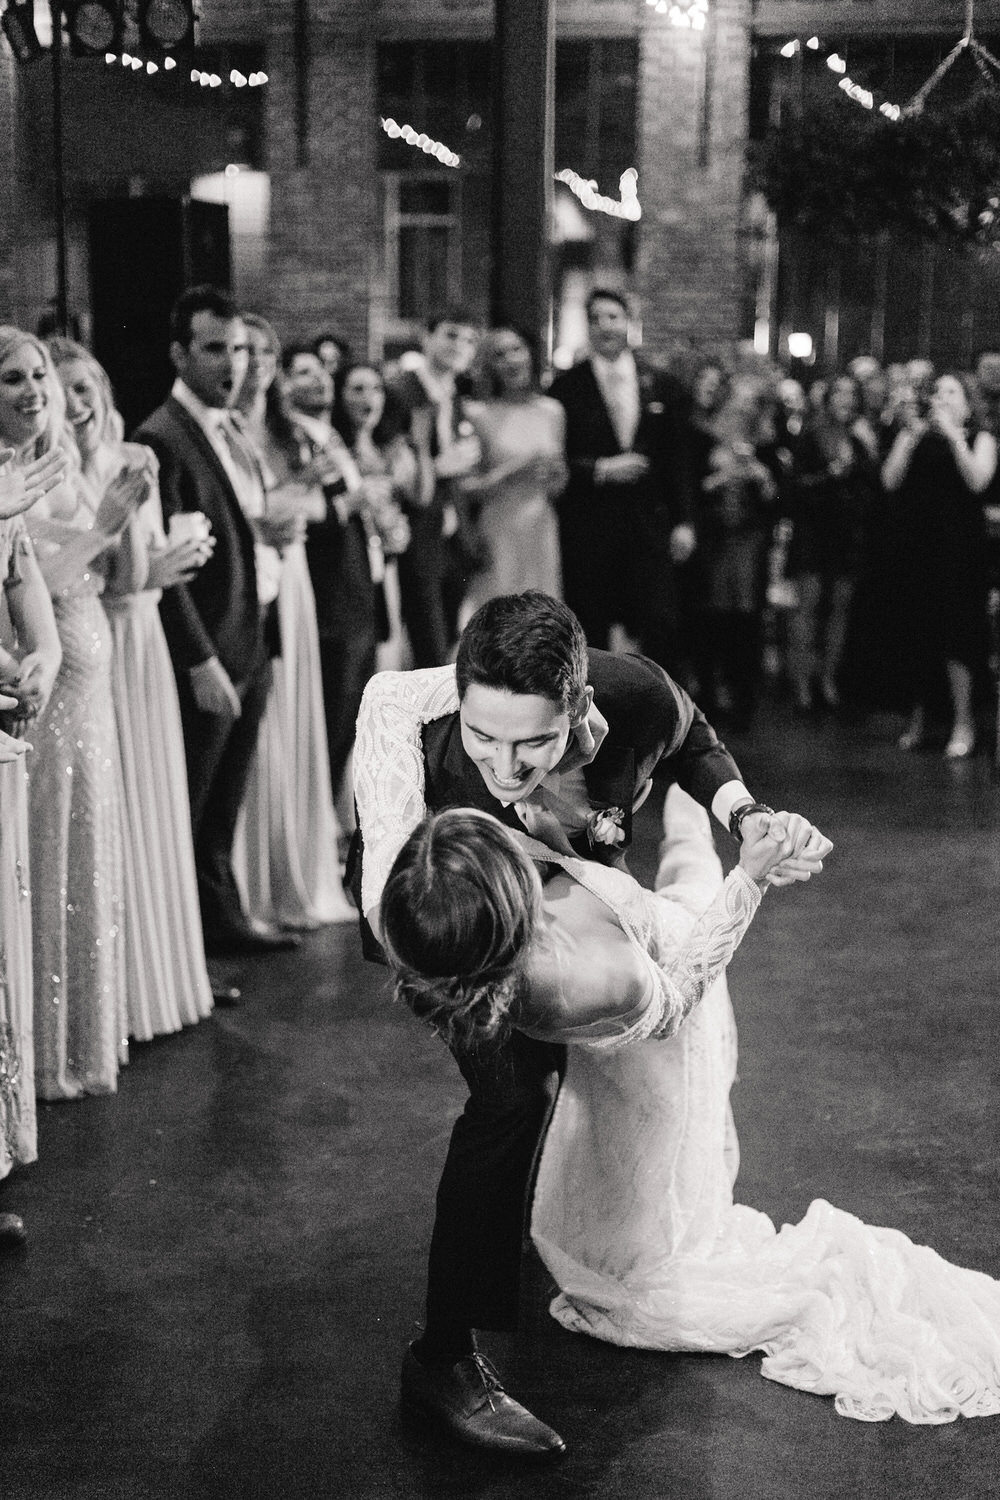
[122, 498]
[22, 488]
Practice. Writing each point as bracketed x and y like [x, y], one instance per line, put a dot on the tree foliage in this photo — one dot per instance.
[844, 171]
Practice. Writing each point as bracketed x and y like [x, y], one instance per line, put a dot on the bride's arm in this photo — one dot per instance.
[607, 985]
[595, 992]
[686, 974]
[389, 766]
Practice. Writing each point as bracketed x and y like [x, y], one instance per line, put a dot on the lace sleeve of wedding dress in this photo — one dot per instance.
[389, 763]
[683, 958]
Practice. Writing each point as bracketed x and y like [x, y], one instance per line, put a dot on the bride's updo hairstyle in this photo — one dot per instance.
[528, 644]
[458, 915]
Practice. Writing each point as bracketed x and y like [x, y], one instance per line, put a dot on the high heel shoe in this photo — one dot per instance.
[960, 746]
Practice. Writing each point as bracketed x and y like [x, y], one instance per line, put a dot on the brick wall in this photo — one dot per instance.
[689, 275]
[8, 189]
[323, 203]
[324, 226]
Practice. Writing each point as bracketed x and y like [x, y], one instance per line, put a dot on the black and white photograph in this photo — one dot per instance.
[499, 749]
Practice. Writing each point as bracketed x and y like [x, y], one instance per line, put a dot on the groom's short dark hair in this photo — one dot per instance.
[525, 643]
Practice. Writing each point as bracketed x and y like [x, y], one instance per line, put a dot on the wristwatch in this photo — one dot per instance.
[743, 811]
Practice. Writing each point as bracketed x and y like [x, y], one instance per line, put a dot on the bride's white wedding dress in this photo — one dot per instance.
[634, 1212]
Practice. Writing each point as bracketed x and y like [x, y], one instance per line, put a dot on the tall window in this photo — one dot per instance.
[436, 220]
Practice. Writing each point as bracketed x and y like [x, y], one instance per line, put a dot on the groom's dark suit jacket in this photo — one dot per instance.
[652, 722]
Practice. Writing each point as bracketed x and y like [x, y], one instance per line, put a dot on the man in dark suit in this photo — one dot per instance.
[625, 516]
[218, 630]
[348, 597]
[434, 570]
[545, 735]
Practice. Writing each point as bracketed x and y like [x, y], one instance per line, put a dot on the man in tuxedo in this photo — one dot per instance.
[626, 514]
[530, 726]
[220, 628]
[434, 570]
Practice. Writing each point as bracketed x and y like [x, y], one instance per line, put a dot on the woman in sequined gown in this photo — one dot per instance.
[286, 857]
[29, 660]
[75, 777]
[167, 980]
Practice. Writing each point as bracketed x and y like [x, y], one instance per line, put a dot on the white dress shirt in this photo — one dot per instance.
[618, 383]
[244, 473]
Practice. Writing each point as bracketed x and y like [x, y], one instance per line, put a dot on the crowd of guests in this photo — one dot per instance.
[191, 616]
[861, 508]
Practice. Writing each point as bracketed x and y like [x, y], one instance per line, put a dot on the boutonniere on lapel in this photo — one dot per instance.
[605, 827]
[656, 407]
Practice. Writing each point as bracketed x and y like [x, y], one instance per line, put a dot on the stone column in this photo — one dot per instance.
[523, 103]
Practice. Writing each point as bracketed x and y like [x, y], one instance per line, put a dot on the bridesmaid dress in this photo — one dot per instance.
[286, 856]
[517, 519]
[75, 828]
[18, 1132]
[167, 979]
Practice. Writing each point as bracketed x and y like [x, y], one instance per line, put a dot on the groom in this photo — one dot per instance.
[532, 727]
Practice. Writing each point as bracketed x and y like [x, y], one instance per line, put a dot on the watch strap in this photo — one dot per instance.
[743, 811]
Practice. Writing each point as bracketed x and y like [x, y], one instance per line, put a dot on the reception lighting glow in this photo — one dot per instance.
[421, 140]
[690, 15]
[837, 64]
[625, 207]
[196, 76]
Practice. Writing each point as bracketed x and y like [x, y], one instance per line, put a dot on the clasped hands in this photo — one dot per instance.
[213, 690]
[801, 848]
[621, 468]
[31, 679]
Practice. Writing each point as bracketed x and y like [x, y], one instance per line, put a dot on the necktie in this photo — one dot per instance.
[621, 407]
[543, 824]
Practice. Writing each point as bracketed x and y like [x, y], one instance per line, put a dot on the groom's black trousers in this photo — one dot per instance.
[483, 1199]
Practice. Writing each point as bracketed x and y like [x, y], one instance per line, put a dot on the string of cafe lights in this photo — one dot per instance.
[984, 59]
[199, 76]
[838, 65]
[690, 15]
[626, 206]
[421, 140]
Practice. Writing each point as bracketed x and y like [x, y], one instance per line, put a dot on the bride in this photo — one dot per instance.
[633, 1212]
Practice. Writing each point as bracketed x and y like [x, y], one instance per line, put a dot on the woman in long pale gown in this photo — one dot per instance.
[167, 980]
[29, 661]
[75, 791]
[633, 1209]
[287, 857]
[522, 469]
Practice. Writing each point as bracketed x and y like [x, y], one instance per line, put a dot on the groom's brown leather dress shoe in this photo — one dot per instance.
[469, 1400]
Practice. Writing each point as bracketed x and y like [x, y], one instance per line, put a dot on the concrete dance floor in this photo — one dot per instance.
[226, 1260]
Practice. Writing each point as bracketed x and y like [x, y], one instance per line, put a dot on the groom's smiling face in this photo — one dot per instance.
[514, 738]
